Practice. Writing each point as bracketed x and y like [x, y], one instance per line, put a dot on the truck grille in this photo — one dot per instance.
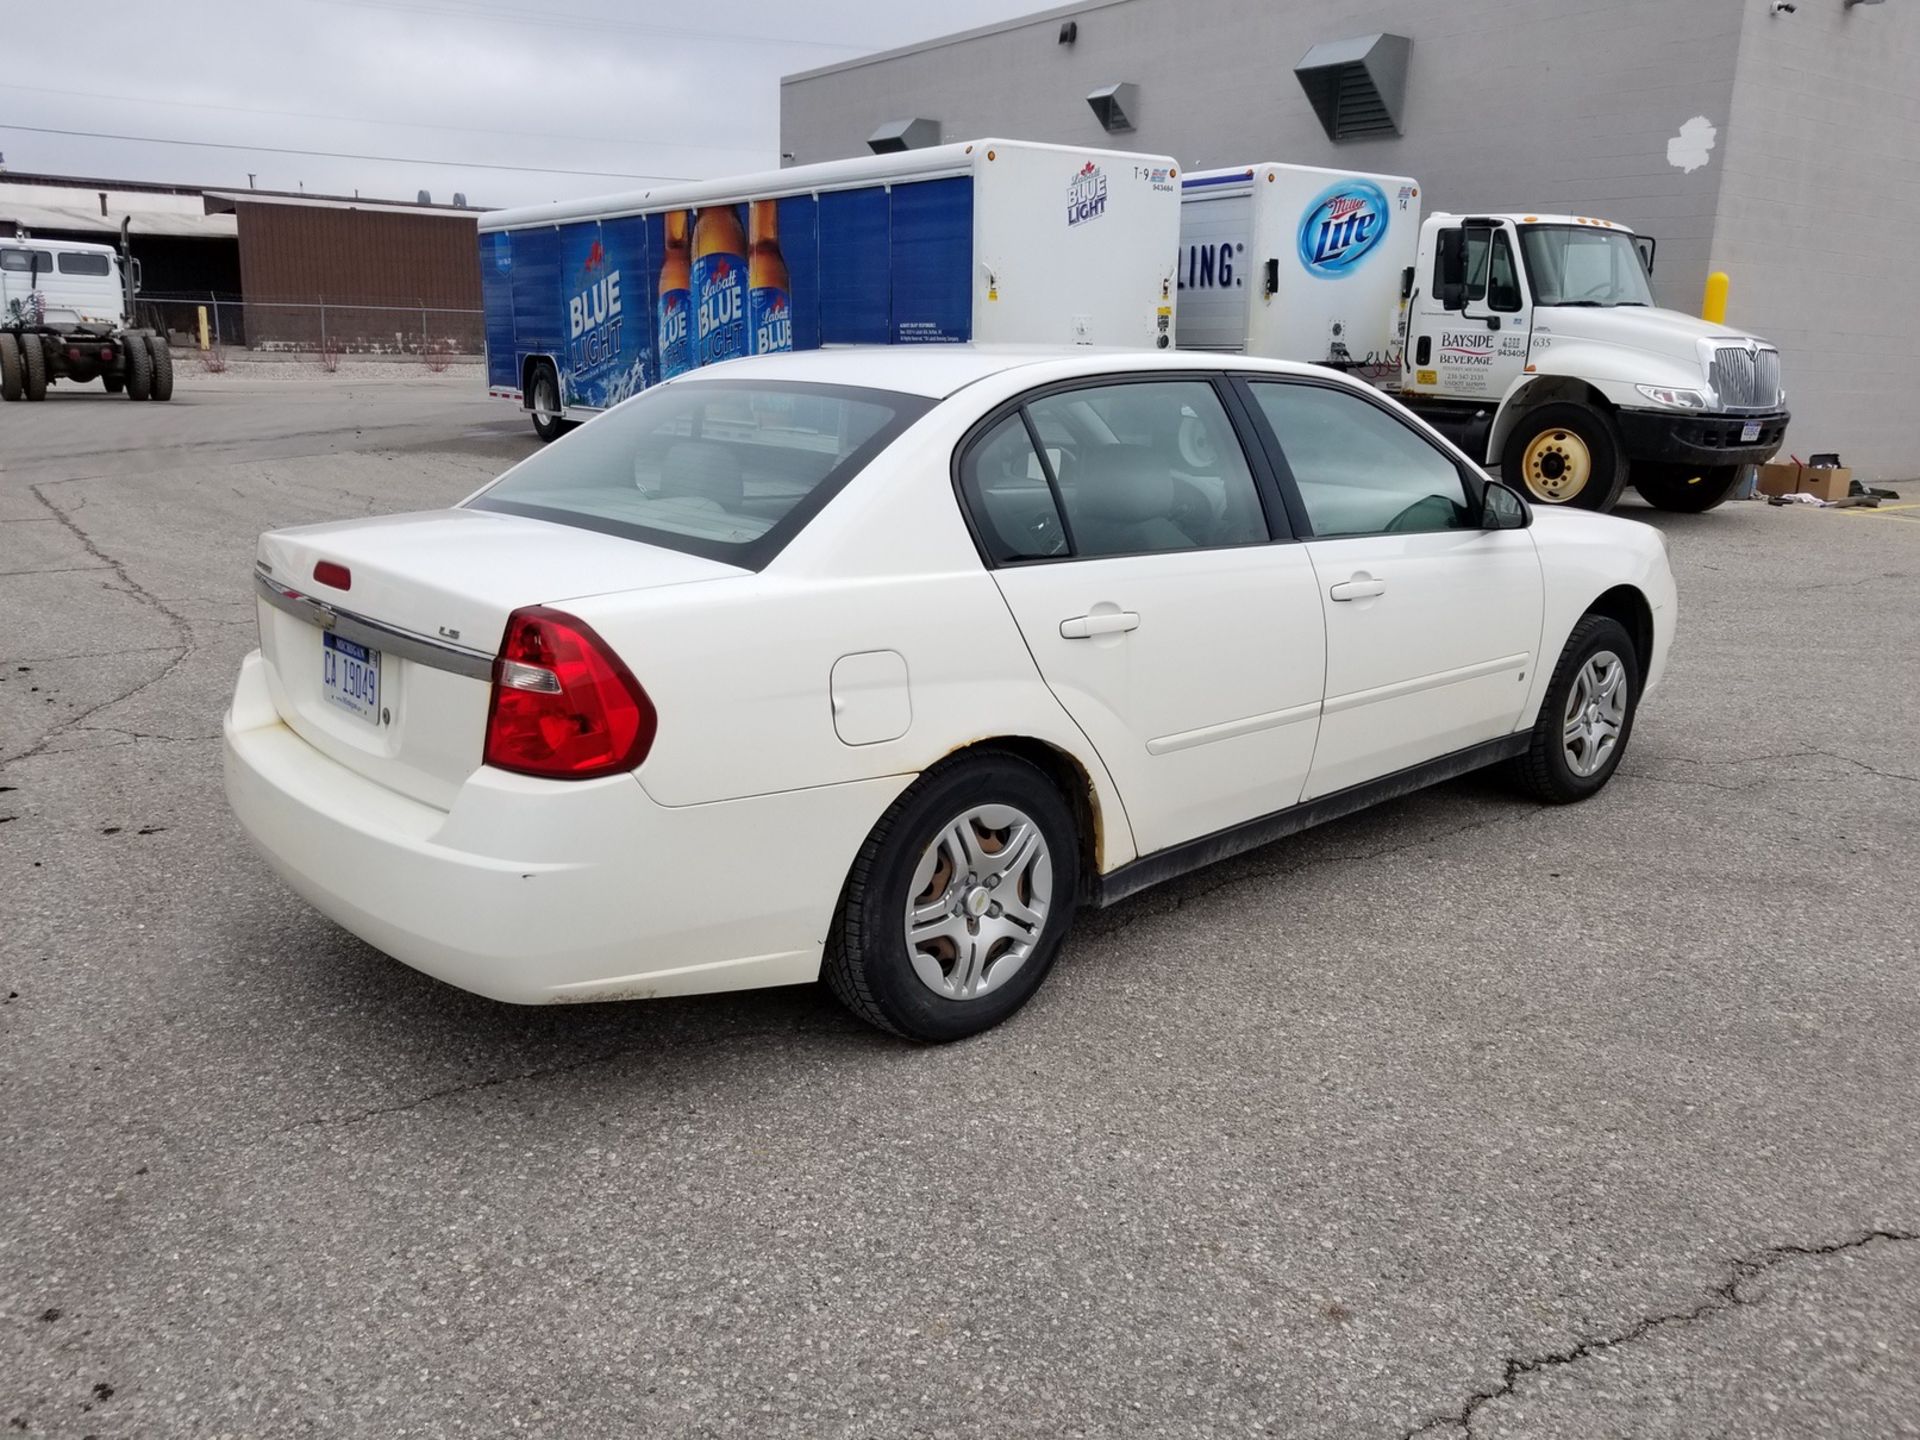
[1746, 379]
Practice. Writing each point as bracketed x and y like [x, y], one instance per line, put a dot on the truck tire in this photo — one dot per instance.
[12, 381]
[1685, 489]
[33, 367]
[138, 363]
[543, 402]
[162, 354]
[1566, 454]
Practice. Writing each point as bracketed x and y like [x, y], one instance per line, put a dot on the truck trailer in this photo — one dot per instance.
[995, 241]
[1531, 340]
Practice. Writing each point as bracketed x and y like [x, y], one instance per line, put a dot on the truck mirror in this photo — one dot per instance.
[1451, 269]
[1406, 284]
[1272, 280]
[1646, 245]
[1453, 295]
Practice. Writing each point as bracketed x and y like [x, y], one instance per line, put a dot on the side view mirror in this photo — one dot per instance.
[1453, 295]
[1501, 508]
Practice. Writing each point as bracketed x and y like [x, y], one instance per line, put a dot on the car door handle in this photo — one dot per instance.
[1361, 587]
[1109, 622]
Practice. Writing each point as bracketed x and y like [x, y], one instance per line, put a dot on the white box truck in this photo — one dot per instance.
[995, 241]
[66, 313]
[1531, 340]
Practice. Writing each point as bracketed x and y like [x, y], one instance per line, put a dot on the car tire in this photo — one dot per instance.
[543, 394]
[1566, 454]
[972, 960]
[12, 377]
[1685, 489]
[1560, 767]
[33, 368]
[162, 355]
[138, 366]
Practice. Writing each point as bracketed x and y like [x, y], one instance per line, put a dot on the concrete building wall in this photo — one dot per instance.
[1562, 105]
[1819, 204]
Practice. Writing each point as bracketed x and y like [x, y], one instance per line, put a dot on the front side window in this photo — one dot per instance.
[1503, 282]
[1584, 265]
[80, 262]
[1358, 469]
[1148, 466]
[22, 260]
[727, 469]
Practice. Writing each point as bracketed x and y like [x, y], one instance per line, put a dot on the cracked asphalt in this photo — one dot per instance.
[1462, 1117]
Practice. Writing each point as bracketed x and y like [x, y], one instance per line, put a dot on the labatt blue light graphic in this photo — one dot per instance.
[719, 286]
[675, 327]
[769, 297]
[1342, 227]
[593, 327]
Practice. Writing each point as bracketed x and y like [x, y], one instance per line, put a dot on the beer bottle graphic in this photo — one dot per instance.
[676, 299]
[769, 302]
[719, 286]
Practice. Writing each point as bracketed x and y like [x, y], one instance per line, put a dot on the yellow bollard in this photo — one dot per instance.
[203, 329]
[1713, 305]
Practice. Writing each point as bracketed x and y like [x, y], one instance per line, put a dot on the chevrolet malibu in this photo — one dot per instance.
[880, 664]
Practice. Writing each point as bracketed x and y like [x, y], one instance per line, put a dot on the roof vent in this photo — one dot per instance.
[898, 135]
[1116, 107]
[1357, 86]
[426, 197]
[459, 199]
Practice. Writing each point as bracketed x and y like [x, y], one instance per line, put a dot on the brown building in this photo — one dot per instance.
[324, 271]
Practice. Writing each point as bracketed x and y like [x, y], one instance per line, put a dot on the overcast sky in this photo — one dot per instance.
[588, 95]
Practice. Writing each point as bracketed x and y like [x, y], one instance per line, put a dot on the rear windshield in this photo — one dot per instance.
[726, 469]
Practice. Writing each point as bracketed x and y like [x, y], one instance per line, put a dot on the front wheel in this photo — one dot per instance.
[958, 901]
[543, 397]
[137, 363]
[1587, 716]
[1566, 454]
[1685, 489]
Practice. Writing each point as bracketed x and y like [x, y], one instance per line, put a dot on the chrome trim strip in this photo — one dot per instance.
[1233, 729]
[437, 654]
[1353, 699]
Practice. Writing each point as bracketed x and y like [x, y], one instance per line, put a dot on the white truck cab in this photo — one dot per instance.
[66, 314]
[1532, 340]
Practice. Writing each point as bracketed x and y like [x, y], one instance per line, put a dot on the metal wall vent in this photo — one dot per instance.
[1116, 107]
[898, 135]
[1357, 86]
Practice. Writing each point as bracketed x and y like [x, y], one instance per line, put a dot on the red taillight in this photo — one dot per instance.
[332, 572]
[563, 706]
[106, 352]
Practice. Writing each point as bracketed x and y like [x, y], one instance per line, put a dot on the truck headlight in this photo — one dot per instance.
[1677, 399]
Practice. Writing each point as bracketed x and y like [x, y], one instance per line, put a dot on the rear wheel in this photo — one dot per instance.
[162, 354]
[138, 366]
[958, 901]
[1687, 489]
[543, 399]
[1566, 454]
[1587, 717]
[12, 379]
[33, 368]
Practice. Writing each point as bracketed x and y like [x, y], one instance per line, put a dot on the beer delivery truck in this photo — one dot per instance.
[588, 302]
[1530, 340]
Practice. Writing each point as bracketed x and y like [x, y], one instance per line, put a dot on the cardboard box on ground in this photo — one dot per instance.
[1823, 482]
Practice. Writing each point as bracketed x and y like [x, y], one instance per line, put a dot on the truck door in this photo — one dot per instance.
[1475, 319]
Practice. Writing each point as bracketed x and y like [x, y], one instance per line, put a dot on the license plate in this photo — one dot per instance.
[1749, 432]
[350, 676]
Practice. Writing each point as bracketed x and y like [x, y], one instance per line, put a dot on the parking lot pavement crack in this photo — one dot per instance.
[1727, 1295]
[1735, 762]
[178, 654]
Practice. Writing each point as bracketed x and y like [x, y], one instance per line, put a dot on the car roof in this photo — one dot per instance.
[937, 371]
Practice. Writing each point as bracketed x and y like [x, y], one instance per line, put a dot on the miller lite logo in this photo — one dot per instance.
[1086, 195]
[1342, 227]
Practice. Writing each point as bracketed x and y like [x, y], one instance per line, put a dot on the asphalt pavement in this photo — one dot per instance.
[1464, 1116]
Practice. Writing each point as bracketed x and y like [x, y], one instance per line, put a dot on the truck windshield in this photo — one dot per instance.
[1581, 265]
[726, 469]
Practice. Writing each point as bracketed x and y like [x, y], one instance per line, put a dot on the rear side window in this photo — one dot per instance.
[727, 469]
[1005, 485]
[77, 262]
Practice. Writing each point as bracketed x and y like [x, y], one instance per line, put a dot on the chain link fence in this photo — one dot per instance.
[318, 325]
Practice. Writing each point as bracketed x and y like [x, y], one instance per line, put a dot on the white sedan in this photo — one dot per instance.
[882, 663]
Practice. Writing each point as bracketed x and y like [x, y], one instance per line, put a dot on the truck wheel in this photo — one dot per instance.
[33, 367]
[114, 383]
[12, 385]
[1686, 489]
[1566, 454]
[543, 399]
[162, 354]
[138, 366]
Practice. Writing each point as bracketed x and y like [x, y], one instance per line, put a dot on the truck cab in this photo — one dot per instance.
[66, 314]
[1535, 339]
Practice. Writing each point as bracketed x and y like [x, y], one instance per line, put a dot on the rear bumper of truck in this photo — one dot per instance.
[1681, 438]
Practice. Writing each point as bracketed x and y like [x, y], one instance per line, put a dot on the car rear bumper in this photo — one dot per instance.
[533, 891]
[1680, 437]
